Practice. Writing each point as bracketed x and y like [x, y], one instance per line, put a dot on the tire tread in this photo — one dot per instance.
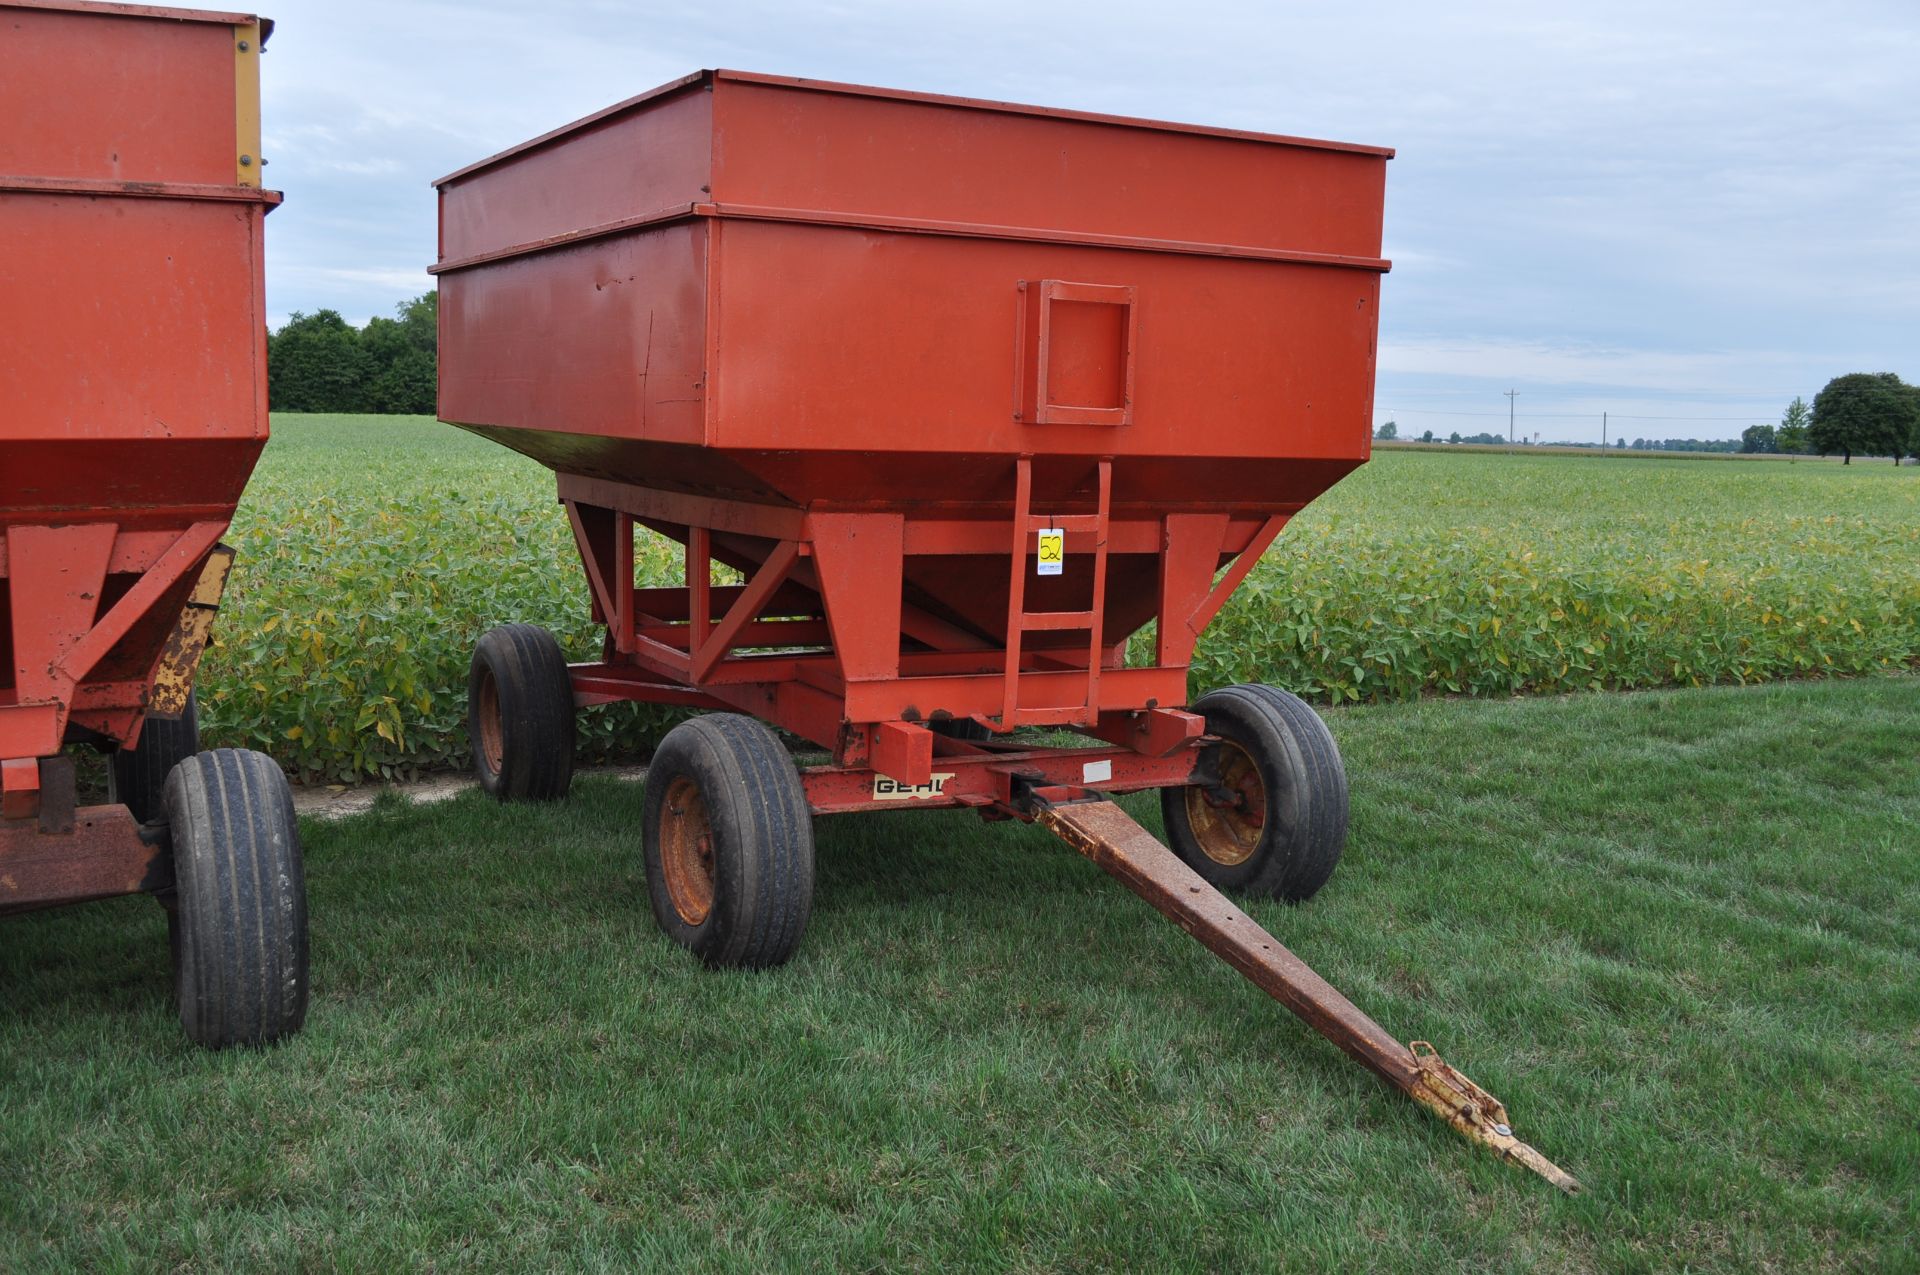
[535, 695]
[1298, 751]
[241, 967]
[138, 775]
[763, 833]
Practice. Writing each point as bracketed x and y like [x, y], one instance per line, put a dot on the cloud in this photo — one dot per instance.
[1680, 200]
[1670, 371]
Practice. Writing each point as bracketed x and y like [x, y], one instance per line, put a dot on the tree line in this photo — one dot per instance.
[321, 363]
[1391, 431]
[1864, 413]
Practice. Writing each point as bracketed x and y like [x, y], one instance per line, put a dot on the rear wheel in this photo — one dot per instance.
[1273, 821]
[137, 776]
[239, 925]
[520, 715]
[728, 840]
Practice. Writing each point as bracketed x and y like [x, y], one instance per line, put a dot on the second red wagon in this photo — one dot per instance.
[954, 397]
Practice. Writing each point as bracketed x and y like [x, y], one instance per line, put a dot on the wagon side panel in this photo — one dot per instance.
[561, 353]
[857, 339]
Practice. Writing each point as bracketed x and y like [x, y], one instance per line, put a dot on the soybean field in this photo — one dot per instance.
[374, 551]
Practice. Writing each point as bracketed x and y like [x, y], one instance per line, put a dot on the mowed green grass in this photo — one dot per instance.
[1677, 932]
[374, 551]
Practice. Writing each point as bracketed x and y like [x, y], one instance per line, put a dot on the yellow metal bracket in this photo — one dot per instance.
[1476, 1114]
[173, 675]
[246, 104]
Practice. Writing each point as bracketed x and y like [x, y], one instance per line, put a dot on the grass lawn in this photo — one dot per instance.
[1677, 932]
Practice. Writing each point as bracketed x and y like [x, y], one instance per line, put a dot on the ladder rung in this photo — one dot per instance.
[1056, 619]
[1065, 522]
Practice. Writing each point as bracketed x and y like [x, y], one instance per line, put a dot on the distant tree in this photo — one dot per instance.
[1792, 434]
[1874, 413]
[1759, 439]
[401, 357]
[319, 363]
[315, 364]
[1686, 445]
[1387, 432]
[1454, 437]
[1427, 437]
[1620, 443]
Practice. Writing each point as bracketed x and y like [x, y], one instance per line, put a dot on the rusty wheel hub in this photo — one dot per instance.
[686, 850]
[492, 741]
[1228, 819]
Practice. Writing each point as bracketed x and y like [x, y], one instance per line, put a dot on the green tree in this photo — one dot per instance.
[1387, 432]
[401, 358]
[1792, 434]
[315, 364]
[1427, 437]
[1759, 439]
[319, 363]
[1874, 413]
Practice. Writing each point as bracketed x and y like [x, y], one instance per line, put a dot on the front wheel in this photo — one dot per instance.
[1272, 819]
[240, 900]
[728, 839]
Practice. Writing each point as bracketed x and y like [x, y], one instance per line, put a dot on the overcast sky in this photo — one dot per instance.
[1667, 210]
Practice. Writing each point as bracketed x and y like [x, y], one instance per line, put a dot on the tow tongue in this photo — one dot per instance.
[1106, 834]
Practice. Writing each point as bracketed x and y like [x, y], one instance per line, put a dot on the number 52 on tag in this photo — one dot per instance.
[1052, 556]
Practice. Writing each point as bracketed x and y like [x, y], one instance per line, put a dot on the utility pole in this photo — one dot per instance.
[1510, 394]
[1603, 431]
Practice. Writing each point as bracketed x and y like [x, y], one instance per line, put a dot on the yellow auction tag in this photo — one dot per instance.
[1052, 557]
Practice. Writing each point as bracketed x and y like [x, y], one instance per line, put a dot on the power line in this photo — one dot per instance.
[1747, 418]
[1442, 391]
[1556, 416]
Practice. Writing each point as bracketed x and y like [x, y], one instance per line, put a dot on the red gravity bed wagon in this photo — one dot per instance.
[133, 405]
[962, 396]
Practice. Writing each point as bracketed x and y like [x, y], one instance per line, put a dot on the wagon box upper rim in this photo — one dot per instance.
[221, 16]
[903, 95]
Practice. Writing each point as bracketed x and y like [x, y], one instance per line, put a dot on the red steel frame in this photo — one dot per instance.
[819, 640]
[860, 346]
[133, 400]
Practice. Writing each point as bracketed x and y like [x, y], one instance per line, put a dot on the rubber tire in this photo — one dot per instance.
[1305, 827]
[137, 776]
[240, 928]
[535, 697]
[762, 841]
